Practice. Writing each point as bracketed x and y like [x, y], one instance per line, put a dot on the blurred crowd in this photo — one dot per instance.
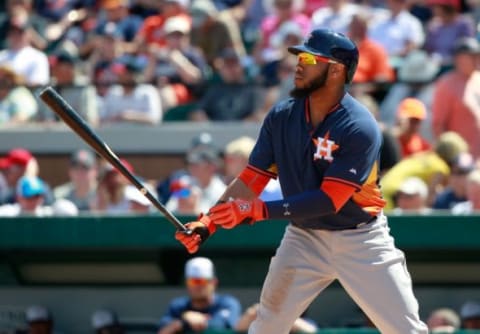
[203, 307]
[444, 178]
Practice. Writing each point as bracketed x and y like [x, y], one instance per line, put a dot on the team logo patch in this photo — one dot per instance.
[244, 207]
[325, 148]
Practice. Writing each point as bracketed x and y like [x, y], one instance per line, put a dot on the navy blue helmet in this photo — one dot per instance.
[330, 44]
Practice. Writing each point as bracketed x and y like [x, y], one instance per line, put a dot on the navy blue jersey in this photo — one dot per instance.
[345, 147]
[223, 313]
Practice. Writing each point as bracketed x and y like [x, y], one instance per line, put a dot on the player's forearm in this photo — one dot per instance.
[237, 189]
[302, 206]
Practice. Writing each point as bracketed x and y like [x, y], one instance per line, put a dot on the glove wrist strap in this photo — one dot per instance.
[211, 227]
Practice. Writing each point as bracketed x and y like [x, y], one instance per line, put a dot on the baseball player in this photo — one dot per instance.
[323, 145]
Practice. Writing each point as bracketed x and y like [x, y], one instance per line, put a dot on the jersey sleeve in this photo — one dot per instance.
[357, 157]
[262, 158]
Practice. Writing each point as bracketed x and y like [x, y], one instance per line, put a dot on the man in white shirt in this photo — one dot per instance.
[131, 101]
[398, 33]
[335, 16]
[30, 63]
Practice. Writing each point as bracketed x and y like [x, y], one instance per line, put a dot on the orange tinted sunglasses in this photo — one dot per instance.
[310, 59]
[197, 281]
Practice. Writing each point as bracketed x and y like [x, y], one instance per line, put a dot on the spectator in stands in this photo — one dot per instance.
[106, 322]
[411, 197]
[138, 202]
[117, 15]
[185, 196]
[433, 167]
[151, 35]
[400, 32]
[283, 11]
[445, 28]
[17, 104]
[416, 77]
[456, 106]
[410, 114]
[25, 60]
[131, 101]
[39, 319]
[111, 197]
[203, 163]
[63, 207]
[301, 325]
[81, 189]
[16, 8]
[178, 68]
[236, 156]
[472, 205]
[470, 315]
[73, 86]
[373, 63]
[443, 320]
[231, 99]
[203, 308]
[30, 195]
[214, 31]
[336, 15]
[456, 190]
[20, 162]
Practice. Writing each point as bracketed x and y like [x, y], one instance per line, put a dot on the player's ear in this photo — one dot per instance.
[338, 72]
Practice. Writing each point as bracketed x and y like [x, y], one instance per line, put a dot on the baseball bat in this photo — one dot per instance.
[66, 112]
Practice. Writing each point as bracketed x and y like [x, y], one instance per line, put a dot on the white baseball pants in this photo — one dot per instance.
[364, 260]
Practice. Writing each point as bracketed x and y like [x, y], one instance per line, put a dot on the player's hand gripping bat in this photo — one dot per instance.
[58, 105]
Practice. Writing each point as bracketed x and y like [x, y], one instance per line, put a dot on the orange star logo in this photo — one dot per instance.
[325, 147]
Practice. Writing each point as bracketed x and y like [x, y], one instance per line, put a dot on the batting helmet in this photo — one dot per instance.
[333, 45]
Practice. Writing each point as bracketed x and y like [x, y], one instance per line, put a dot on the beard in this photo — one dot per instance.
[315, 84]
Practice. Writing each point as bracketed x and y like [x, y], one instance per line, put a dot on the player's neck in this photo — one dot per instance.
[322, 102]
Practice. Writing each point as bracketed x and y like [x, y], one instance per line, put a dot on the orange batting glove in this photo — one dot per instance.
[230, 214]
[198, 232]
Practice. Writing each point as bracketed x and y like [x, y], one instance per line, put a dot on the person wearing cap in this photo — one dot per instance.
[214, 30]
[233, 98]
[456, 106]
[443, 320]
[111, 191]
[139, 203]
[456, 189]
[39, 320]
[73, 86]
[470, 315]
[17, 104]
[179, 68]
[432, 166]
[130, 101]
[472, 204]
[410, 114]
[203, 165]
[445, 28]
[412, 197]
[82, 172]
[106, 322]
[185, 196]
[203, 308]
[17, 163]
[30, 196]
[25, 60]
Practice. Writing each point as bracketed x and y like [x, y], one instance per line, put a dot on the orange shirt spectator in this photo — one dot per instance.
[456, 106]
[373, 61]
[411, 113]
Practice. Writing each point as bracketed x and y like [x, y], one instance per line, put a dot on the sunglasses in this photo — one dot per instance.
[193, 282]
[310, 59]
